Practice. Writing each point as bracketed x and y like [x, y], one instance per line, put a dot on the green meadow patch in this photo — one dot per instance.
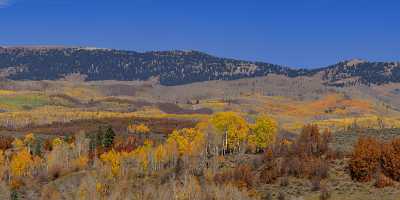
[25, 101]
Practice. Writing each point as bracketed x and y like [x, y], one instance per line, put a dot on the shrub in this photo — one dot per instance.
[241, 176]
[271, 171]
[284, 181]
[281, 196]
[382, 181]
[325, 193]
[14, 195]
[315, 184]
[269, 174]
[5, 142]
[319, 168]
[292, 166]
[310, 142]
[365, 159]
[391, 159]
[126, 144]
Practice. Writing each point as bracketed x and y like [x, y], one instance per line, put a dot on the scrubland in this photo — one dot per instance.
[61, 140]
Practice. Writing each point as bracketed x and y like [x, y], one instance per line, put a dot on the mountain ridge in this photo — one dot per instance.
[174, 67]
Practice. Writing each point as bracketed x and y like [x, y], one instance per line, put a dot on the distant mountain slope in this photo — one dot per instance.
[356, 71]
[172, 67]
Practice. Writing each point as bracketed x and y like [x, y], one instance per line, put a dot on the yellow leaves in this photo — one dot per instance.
[189, 141]
[233, 126]
[18, 143]
[2, 163]
[113, 159]
[20, 163]
[81, 162]
[7, 92]
[139, 129]
[160, 153]
[57, 142]
[29, 138]
[2, 158]
[263, 132]
[141, 155]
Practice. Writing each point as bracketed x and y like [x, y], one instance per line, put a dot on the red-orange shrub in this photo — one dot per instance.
[126, 144]
[241, 176]
[391, 159]
[270, 173]
[5, 142]
[382, 181]
[311, 142]
[365, 159]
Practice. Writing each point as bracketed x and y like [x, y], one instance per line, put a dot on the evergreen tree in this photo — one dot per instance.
[108, 138]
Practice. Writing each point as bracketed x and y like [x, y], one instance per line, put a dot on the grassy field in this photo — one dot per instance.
[15, 101]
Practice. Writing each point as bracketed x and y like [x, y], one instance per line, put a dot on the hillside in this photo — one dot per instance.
[172, 67]
[355, 72]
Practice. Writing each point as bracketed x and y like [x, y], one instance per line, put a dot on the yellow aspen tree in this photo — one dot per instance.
[263, 132]
[2, 164]
[160, 156]
[20, 163]
[141, 129]
[189, 141]
[233, 128]
[113, 159]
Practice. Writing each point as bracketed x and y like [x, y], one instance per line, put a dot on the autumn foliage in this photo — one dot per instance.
[306, 157]
[365, 159]
[391, 159]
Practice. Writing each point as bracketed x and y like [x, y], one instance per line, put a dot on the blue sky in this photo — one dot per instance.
[298, 33]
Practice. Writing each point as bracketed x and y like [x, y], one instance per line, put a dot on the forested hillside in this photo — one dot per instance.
[172, 67]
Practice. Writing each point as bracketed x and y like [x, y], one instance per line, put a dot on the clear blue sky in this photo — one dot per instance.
[300, 33]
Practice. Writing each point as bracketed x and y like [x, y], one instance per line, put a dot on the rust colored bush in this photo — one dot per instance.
[305, 167]
[311, 143]
[126, 144]
[292, 166]
[5, 142]
[270, 174]
[382, 181]
[365, 159]
[47, 146]
[241, 176]
[391, 159]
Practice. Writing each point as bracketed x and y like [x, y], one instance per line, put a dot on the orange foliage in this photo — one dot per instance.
[383, 181]
[391, 159]
[21, 162]
[365, 159]
[241, 176]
